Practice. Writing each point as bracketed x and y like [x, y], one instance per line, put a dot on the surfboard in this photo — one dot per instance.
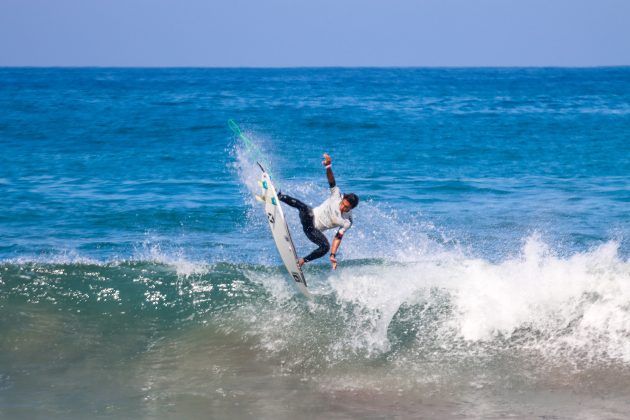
[280, 231]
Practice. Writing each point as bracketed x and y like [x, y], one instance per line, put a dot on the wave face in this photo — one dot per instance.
[375, 331]
[445, 306]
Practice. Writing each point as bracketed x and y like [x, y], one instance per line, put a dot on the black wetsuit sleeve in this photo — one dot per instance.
[331, 178]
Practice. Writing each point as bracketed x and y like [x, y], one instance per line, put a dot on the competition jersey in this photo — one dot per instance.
[327, 215]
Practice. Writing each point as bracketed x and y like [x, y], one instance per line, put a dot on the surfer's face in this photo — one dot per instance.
[345, 206]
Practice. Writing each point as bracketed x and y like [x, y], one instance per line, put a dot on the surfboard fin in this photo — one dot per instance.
[259, 198]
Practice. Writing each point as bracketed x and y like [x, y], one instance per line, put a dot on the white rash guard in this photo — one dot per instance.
[327, 215]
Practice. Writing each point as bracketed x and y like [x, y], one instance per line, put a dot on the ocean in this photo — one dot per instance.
[486, 275]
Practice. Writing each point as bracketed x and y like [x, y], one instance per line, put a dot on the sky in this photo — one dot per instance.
[313, 33]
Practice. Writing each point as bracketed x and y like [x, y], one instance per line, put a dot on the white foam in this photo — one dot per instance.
[575, 304]
[64, 257]
[184, 266]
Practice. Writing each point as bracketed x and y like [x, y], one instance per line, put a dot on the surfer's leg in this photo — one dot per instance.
[293, 202]
[318, 239]
[306, 213]
[306, 217]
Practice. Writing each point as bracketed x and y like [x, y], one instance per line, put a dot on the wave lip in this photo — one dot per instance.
[574, 308]
[577, 306]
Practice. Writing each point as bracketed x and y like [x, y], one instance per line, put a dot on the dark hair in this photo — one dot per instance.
[353, 199]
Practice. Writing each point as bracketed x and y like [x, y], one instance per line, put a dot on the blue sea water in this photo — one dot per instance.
[487, 265]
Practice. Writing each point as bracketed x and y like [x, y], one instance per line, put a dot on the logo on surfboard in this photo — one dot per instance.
[296, 277]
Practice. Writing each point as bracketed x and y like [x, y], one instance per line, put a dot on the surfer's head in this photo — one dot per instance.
[348, 202]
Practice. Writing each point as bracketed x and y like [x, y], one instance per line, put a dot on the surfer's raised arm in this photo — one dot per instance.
[327, 162]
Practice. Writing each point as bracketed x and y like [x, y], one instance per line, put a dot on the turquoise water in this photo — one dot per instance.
[487, 266]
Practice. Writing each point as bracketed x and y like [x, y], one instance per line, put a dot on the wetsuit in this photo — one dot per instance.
[315, 220]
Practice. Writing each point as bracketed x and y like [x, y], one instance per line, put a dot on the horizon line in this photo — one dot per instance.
[311, 67]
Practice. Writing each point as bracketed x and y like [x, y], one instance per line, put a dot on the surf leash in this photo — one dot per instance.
[251, 147]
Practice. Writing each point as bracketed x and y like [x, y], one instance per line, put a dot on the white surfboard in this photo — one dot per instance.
[280, 231]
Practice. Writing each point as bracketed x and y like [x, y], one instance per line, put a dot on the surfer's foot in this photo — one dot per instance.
[301, 262]
[282, 197]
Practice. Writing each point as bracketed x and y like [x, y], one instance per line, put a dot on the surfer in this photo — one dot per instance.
[336, 211]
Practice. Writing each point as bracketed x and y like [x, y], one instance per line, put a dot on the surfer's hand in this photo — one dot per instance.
[327, 160]
[333, 261]
[301, 262]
